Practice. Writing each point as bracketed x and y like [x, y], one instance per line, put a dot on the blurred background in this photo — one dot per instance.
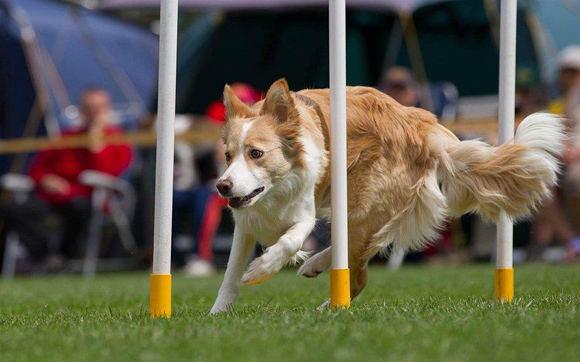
[78, 83]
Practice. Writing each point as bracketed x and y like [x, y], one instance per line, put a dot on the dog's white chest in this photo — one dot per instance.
[263, 228]
[267, 225]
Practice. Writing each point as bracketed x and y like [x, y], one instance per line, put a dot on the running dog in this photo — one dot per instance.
[407, 174]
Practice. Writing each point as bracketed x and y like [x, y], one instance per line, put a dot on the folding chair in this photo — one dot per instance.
[21, 186]
[112, 197]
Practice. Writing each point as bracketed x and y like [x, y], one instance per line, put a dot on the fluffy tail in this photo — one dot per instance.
[515, 177]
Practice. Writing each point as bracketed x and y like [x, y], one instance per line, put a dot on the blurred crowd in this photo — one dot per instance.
[556, 221]
[63, 183]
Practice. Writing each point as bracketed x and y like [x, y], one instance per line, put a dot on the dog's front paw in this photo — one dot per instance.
[228, 308]
[264, 267]
[225, 301]
[218, 310]
[222, 307]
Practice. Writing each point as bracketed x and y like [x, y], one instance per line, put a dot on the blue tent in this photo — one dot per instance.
[51, 51]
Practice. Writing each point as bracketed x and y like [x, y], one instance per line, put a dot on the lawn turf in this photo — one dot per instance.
[416, 314]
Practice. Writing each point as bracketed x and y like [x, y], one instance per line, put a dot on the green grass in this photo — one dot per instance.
[417, 314]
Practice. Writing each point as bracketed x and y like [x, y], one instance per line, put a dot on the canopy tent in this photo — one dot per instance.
[257, 41]
[560, 19]
[393, 5]
[559, 22]
[51, 52]
[444, 42]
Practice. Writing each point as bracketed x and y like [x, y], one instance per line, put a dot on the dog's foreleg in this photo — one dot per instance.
[242, 248]
[278, 254]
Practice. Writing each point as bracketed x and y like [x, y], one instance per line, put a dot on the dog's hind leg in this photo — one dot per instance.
[316, 265]
[359, 238]
[357, 261]
[358, 280]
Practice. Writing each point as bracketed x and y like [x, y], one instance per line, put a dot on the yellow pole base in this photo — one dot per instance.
[504, 284]
[339, 289]
[160, 295]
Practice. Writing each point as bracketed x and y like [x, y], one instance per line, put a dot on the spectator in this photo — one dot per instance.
[399, 83]
[57, 171]
[553, 221]
[569, 76]
[528, 94]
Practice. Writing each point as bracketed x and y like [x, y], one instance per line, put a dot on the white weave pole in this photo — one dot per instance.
[504, 286]
[339, 276]
[161, 276]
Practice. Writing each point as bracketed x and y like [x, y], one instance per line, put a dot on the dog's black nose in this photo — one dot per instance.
[224, 186]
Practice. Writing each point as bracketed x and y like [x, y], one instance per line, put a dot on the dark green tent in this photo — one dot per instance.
[258, 41]
[456, 41]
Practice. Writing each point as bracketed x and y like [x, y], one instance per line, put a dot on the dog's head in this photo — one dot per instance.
[262, 144]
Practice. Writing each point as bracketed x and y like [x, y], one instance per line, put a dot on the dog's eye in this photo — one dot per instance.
[228, 156]
[256, 153]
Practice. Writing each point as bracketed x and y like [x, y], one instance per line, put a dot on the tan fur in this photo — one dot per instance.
[396, 158]
[268, 134]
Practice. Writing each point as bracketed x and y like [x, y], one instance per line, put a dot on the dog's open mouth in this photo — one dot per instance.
[236, 202]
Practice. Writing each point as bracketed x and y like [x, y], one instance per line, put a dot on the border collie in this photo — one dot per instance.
[407, 175]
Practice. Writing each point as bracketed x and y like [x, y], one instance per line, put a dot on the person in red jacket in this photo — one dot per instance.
[57, 171]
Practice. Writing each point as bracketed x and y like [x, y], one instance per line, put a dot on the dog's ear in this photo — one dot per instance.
[234, 106]
[279, 102]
